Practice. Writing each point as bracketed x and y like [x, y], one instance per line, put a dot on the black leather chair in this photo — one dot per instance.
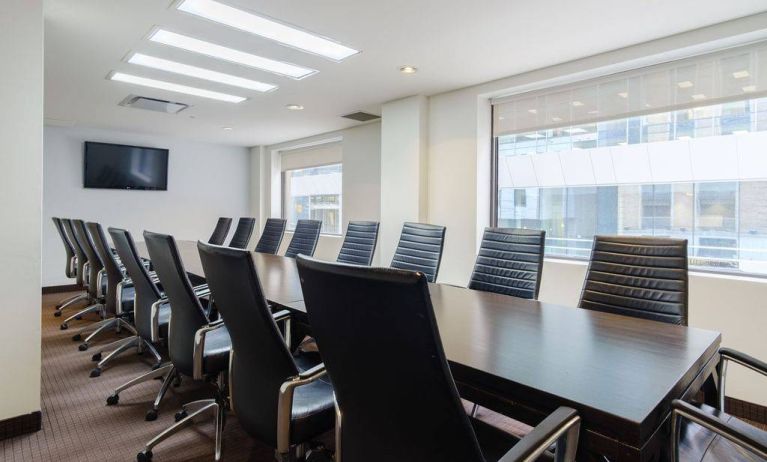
[280, 399]
[93, 279]
[420, 249]
[706, 433]
[305, 238]
[220, 231]
[118, 301]
[644, 277]
[80, 261]
[509, 262]
[359, 243]
[242, 233]
[198, 346]
[397, 364]
[271, 237]
[70, 269]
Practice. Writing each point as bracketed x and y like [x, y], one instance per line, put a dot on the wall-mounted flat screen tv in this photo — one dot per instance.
[117, 166]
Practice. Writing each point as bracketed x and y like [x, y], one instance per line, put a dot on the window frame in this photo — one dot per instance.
[284, 203]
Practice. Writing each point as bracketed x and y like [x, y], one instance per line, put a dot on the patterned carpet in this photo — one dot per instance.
[78, 426]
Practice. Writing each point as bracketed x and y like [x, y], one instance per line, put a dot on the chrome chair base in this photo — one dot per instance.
[119, 347]
[117, 323]
[89, 309]
[69, 301]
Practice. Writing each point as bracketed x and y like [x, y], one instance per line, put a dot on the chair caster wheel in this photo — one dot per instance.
[57, 314]
[64, 326]
[96, 372]
[144, 456]
[180, 415]
[156, 366]
[79, 318]
[77, 337]
[83, 347]
[113, 399]
[96, 358]
[151, 415]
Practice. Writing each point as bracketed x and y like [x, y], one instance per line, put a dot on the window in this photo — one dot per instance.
[676, 151]
[314, 193]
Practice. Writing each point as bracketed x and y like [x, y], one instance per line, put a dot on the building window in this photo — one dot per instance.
[313, 193]
[710, 195]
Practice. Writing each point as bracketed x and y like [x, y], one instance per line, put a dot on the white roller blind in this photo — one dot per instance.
[734, 74]
[323, 154]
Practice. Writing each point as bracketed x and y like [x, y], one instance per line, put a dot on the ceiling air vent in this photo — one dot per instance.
[152, 104]
[361, 116]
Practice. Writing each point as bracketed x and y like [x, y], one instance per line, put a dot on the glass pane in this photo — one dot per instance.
[314, 193]
[753, 227]
[716, 234]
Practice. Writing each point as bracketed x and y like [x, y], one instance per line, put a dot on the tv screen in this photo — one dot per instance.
[116, 166]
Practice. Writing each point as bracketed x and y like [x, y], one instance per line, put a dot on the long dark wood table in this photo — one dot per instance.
[526, 358]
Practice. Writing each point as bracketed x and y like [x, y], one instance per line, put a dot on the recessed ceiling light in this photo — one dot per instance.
[623, 94]
[295, 107]
[685, 84]
[267, 28]
[741, 74]
[198, 72]
[577, 103]
[408, 69]
[534, 136]
[162, 85]
[228, 54]
[698, 96]
[533, 111]
[556, 119]
[228, 129]
[576, 130]
[594, 112]
[749, 88]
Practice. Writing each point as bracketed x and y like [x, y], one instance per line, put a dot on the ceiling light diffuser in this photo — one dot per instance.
[162, 85]
[295, 107]
[623, 94]
[685, 84]
[533, 111]
[577, 103]
[574, 131]
[228, 54]
[408, 69]
[749, 88]
[267, 28]
[534, 136]
[698, 96]
[741, 74]
[198, 72]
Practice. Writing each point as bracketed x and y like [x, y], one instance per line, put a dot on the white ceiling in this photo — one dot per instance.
[454, 43]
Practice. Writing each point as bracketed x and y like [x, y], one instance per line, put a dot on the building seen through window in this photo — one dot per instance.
[314, 193]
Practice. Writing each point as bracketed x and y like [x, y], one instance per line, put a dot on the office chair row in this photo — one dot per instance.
[644, 277]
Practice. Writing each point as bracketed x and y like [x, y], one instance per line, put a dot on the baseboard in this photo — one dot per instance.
[20, 425]
[745, 410]
[59, 289]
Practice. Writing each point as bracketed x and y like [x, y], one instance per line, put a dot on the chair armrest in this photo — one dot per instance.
[727, 355]
[747, 437]
[285, 403]
[155, 319]
[199, 347]
[284, 317]
[561, 426]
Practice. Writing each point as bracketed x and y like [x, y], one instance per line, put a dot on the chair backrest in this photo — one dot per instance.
[420, 249]
[69, 270]
[261, 361]
[242, 233]
[359, 243]
[305, 238]
[509, 262]
[147, 291]
[78, 249]
[644, 277]
[382, 373]
[186, 313]
[95, 265]
[220, 231]
[271, 238]
[112, 268]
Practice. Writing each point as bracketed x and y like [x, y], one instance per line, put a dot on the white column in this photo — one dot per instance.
[21, 132]
[404, 185]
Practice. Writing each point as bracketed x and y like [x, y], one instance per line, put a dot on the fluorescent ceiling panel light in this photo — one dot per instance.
[556, 119]
[749, 89]
[594, 112]
[741, 74]
[577, 103]
[162, 85]
[198, 72]
[623, 94]
[267, 28]
[228, 54]
[685, 84]
[574, 131]
[534, 136]
[295, 107]
[533, 111]
[698, 96]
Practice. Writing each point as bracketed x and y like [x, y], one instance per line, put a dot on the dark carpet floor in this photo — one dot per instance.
[78, 426]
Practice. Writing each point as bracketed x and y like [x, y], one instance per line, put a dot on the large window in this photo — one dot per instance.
[679, 151]
[313, 193]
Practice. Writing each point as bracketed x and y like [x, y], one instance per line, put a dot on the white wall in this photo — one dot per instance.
[361, 187]
[459, 192]
[21, 132]
[205, 181]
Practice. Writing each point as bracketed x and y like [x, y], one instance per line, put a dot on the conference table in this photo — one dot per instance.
[525, 358]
